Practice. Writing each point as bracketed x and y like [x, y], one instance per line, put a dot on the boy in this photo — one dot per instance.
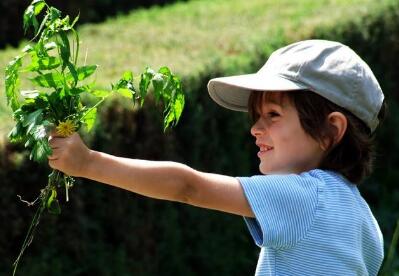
[315, 105]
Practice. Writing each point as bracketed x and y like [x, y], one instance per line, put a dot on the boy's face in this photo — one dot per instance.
[284, 147]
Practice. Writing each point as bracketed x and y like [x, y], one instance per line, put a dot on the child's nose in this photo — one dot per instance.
[257, 129]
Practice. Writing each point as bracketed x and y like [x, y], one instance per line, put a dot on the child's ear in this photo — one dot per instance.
[338, 123]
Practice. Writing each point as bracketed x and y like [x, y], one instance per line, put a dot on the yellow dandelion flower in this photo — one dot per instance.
[66, 128]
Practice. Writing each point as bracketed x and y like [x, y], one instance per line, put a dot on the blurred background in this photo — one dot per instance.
[106, 231]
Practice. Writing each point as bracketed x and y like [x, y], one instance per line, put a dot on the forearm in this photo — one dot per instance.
[156, 179]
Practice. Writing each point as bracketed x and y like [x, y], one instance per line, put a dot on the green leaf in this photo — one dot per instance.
[127, 76]
[167, 88]
[52, 197]
[65, 50]
[165, 71]
[65, 24]
[54, 207]
[27, 49]
[52, 204]
[174, 111]
[12, 82]
[179, 106]
[40, 151]
[42, 25]
[17, 133]
[73, 73]
[125, 86]
[89, 118]
[28, 106]
[34, 102]
[43, 63]
[32, 119]
[86, 71]
[77, 45]
[54, 14]
[171, 94]
[81, 73]
[39, 5]
[100, 93]
[77, 90]
[74, 91]
[55, 80]
[29, 17]
[158, 82]
[39, 132]
[75, 20]
[125, 92]
[30, 141]
[59, 104]
[145, 81]
[50, 45]
[35, 24]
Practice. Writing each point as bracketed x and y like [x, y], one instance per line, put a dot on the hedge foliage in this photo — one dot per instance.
[107, 231]
[11, 31]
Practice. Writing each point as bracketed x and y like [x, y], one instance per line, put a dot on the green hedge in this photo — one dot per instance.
[11, 31]
[107, 231]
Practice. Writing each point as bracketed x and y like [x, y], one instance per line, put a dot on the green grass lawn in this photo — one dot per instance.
[198, 37]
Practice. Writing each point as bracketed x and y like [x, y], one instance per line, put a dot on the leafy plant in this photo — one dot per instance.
[54, 100]
[388, 265]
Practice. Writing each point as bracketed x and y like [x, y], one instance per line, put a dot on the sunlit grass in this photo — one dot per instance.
[199, 37]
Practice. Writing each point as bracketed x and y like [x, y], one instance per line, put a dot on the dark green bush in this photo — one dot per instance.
[11, 31]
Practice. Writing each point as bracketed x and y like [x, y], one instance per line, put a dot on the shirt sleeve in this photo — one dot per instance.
[284, 207]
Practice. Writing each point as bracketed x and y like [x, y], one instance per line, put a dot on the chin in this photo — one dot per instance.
[266, 170]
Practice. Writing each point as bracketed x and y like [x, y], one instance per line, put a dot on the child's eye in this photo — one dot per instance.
[273, 114]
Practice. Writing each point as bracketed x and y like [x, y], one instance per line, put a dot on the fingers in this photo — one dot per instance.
[68, 154]
[53, 133]
[55, 155]
[53, 164]
[55, 142]
[60, 152]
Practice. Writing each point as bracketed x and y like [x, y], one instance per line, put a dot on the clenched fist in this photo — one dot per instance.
[70, 154]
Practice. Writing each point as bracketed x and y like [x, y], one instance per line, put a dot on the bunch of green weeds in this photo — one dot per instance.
[53, 102]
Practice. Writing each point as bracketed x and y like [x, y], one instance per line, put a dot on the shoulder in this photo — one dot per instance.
[284, 206]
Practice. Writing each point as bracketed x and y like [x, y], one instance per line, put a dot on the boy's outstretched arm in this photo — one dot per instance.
[157, 179]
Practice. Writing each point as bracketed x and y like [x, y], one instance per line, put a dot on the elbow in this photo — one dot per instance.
[188, 191]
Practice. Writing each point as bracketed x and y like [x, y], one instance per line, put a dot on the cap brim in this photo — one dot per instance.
[233, 92]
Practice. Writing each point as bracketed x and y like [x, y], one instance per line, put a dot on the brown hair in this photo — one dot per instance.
[353, 156]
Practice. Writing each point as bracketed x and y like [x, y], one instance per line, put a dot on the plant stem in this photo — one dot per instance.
[77, 46]
[33, 226]
[91, 108]
[66, 184]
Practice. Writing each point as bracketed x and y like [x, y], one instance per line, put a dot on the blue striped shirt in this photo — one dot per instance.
[314, 223]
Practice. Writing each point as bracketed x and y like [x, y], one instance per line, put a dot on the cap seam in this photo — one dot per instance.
[293, 80]
[299, 71]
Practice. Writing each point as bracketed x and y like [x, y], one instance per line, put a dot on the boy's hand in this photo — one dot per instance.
[70, 154]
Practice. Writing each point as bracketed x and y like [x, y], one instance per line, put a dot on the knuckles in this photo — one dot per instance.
[64, 153]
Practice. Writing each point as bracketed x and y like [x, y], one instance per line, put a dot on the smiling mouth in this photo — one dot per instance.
[264, 149]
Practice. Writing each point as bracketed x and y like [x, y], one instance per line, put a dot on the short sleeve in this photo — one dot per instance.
[284, 207]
